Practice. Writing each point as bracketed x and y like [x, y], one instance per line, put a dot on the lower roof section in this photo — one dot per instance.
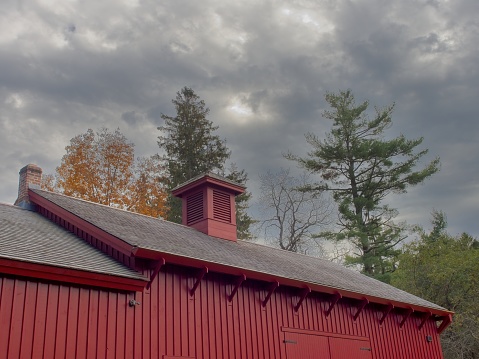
[31, 245]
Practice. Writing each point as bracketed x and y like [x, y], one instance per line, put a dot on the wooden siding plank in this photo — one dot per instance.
[184, 318]
[28, 320]
[176, 320]
[61, 322]
[72, 322]
[16, 319]
[51, 321]
[6, 304]
[102, 333]
[129, 335]
[145, 307]
[138, 327]
[230, 323]
[111, 326]
[154, 322]
[221, 300]
[40, 319]
[169, 317]
[82, 329]
[92, 326]
[121, 307]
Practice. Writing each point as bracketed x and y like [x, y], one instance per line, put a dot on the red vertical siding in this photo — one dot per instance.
[57, 321]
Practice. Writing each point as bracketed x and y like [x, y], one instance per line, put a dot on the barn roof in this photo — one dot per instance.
[164, 237]
[29, 237]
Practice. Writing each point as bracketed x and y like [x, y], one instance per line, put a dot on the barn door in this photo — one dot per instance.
[305, 346]
[349, 348]
[310, 346]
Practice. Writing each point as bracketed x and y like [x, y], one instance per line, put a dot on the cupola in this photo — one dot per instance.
[208, 204]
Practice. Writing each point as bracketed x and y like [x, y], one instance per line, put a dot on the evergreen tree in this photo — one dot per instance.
[190, 144]
[243, 219]
[361, 169]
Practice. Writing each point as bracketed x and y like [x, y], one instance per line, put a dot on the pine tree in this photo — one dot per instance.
[243, 219]
[361, 169]
[190, 144]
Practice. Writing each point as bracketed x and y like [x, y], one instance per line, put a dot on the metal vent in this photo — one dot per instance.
[194, 207]
[221, 206]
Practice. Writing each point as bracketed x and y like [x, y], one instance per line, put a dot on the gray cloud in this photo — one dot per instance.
[261, 66]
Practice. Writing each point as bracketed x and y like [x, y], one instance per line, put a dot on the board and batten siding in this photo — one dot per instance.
[52, 320]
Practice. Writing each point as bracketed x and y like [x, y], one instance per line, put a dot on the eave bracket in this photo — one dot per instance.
[237, 284]
[388, 310]
[336, 297]
[199, 277]
[155, 271]
[424, 319]
[271, 290]
[303, 296]
[364, 302]
[406, 316]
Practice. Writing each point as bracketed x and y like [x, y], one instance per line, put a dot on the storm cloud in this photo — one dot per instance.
[262, 68]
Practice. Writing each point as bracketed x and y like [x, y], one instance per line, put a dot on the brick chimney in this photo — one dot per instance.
[208, 204]
[30, 176]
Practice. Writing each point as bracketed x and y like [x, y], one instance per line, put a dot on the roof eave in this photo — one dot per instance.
[266, 277]
[66, 275]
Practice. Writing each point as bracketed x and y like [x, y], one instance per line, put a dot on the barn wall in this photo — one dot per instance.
[56, 321]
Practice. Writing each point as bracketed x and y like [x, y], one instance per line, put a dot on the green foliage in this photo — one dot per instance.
[443, 269]
[243, 219]
[190, 145]
[361, 168]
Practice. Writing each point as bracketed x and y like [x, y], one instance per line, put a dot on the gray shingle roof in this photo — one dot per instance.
[167, 237]
[27, 236]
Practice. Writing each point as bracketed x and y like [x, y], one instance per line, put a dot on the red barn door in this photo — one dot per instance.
[305, 346]
[310, 346]
[349, 348]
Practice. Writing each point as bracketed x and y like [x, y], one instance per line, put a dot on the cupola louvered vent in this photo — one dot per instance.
[208, 205]
[194, 207]
[221, 206]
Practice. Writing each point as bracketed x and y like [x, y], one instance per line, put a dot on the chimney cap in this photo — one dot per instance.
[208, 177]
[30, 166]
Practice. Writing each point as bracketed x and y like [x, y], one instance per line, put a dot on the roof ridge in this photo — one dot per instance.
[36, 190]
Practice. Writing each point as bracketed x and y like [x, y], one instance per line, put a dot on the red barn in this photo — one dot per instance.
[83, 280]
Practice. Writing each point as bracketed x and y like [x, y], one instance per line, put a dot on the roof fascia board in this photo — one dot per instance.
[221, 268]
[82, 224]
[66, 275]
[180, 190]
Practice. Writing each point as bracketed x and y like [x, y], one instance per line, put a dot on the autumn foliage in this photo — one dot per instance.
[100, 167]
[147, 192]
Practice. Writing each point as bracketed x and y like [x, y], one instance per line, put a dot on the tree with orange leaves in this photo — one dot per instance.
[147, 191]
[100, 167]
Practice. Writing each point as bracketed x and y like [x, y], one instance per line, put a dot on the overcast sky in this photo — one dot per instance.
[262, 68]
